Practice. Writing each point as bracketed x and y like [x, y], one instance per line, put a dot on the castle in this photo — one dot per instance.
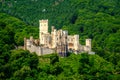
[58, 41]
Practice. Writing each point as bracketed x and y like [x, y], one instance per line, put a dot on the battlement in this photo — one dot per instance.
[57, 41]
[43, 21]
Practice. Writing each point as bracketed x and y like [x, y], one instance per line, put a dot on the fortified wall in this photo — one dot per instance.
[58, 41]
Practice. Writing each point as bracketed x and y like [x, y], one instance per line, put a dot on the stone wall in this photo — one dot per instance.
[39, 50]
[45, 51]
[57, 39]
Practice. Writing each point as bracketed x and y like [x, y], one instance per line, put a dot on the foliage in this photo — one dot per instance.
[24, 65]
[20, 64]
[13, 30]
[54, 58]
[95, 19]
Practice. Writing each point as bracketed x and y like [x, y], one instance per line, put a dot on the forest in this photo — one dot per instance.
[95, 19]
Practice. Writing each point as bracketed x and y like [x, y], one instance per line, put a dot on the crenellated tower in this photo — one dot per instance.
[43, 29]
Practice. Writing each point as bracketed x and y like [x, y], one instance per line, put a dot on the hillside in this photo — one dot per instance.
[95, 19]
[13, 30]
[30, 11]
[59, 12]
[22, 65]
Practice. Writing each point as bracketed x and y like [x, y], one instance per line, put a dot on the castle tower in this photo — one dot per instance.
[76, 42]
[52, 28]
[88, 44]
[25, 45]
[62, 46]
[43, 29]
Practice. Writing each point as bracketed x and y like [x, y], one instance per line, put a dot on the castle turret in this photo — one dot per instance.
[31, 38]
[52, 28]
[88, 44]
[76, 42]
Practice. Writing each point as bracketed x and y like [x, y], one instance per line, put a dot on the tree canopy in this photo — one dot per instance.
[95, 19]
